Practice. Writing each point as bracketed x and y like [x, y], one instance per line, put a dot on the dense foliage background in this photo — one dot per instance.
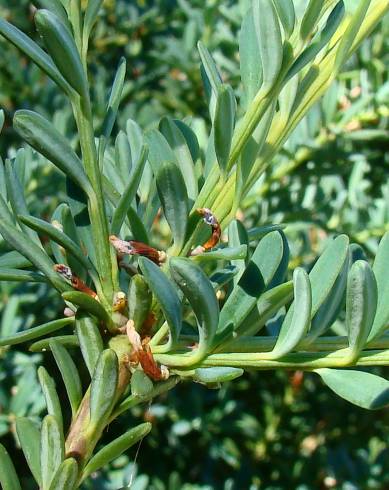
[266, 430]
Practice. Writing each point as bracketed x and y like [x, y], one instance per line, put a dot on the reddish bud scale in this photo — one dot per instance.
[211, 220]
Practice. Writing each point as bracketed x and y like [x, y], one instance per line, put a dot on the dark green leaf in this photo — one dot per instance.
[44, 345]
[88, 304]
[139, 300]
[311, 17]
[20, 276]
[141, 384]
[228, 253]
[91, 14]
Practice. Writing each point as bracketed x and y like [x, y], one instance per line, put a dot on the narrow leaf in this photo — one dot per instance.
[380, 268]
[66, 476]
[295, 324]
[35, 332]
[269, 38]
[129, 194]
[198, 289]
[103, 387]
[34, 52]
[91, 14]
[217, 374]
[286, 13]
[45, 139]
[29, 438]
[8, 478]
[88, 304]
[358, 387]
[44, 344]
[361, 305]
[174, 199]
[20, 276]
[311, 17]
[114, 449]
[166, 295]
[63, 50]
[140, 298]
[228, 253]
[52, 449]
[90, 340]
[224, 123]
[50, 393]
[174, 136]
[69, 374]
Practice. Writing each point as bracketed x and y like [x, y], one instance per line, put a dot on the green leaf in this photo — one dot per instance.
[166, 295]
[20, 276]
[286, 13]
[90, 340]
[326, 270]
[259, 272]
[44, 344]
[91, 13]
[88, 304]
[380, 268]
[270, 42]
[114, 99]
[266, 307]
[320, 41]
[56, 7]
[139, 300]
[175, 138]
[8, 478]
[348, 37]
[223, 125]
[59, 237]
[141, 384]
[50, 393]
[217, 374]
[2, 117]
[331, 306]
[103, 387]
[250, 58]
[174, 200]
[63, 50]
[211, 72]
[45, 139]
[311, 17]
[13, 259]
[17, 199]
[297, 321]
[358, 387]
[114, 449]
[260, 231]
[361, 305]
[199, 291]
[69, 374]
[226, 253]
[20, 242]
[129, 194]
[35, 332]
[29, 438]
[52, 451]
[34, 52]
[66, 476]
[237, 236]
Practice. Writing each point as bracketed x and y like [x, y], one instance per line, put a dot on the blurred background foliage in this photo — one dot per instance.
[267, 430]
